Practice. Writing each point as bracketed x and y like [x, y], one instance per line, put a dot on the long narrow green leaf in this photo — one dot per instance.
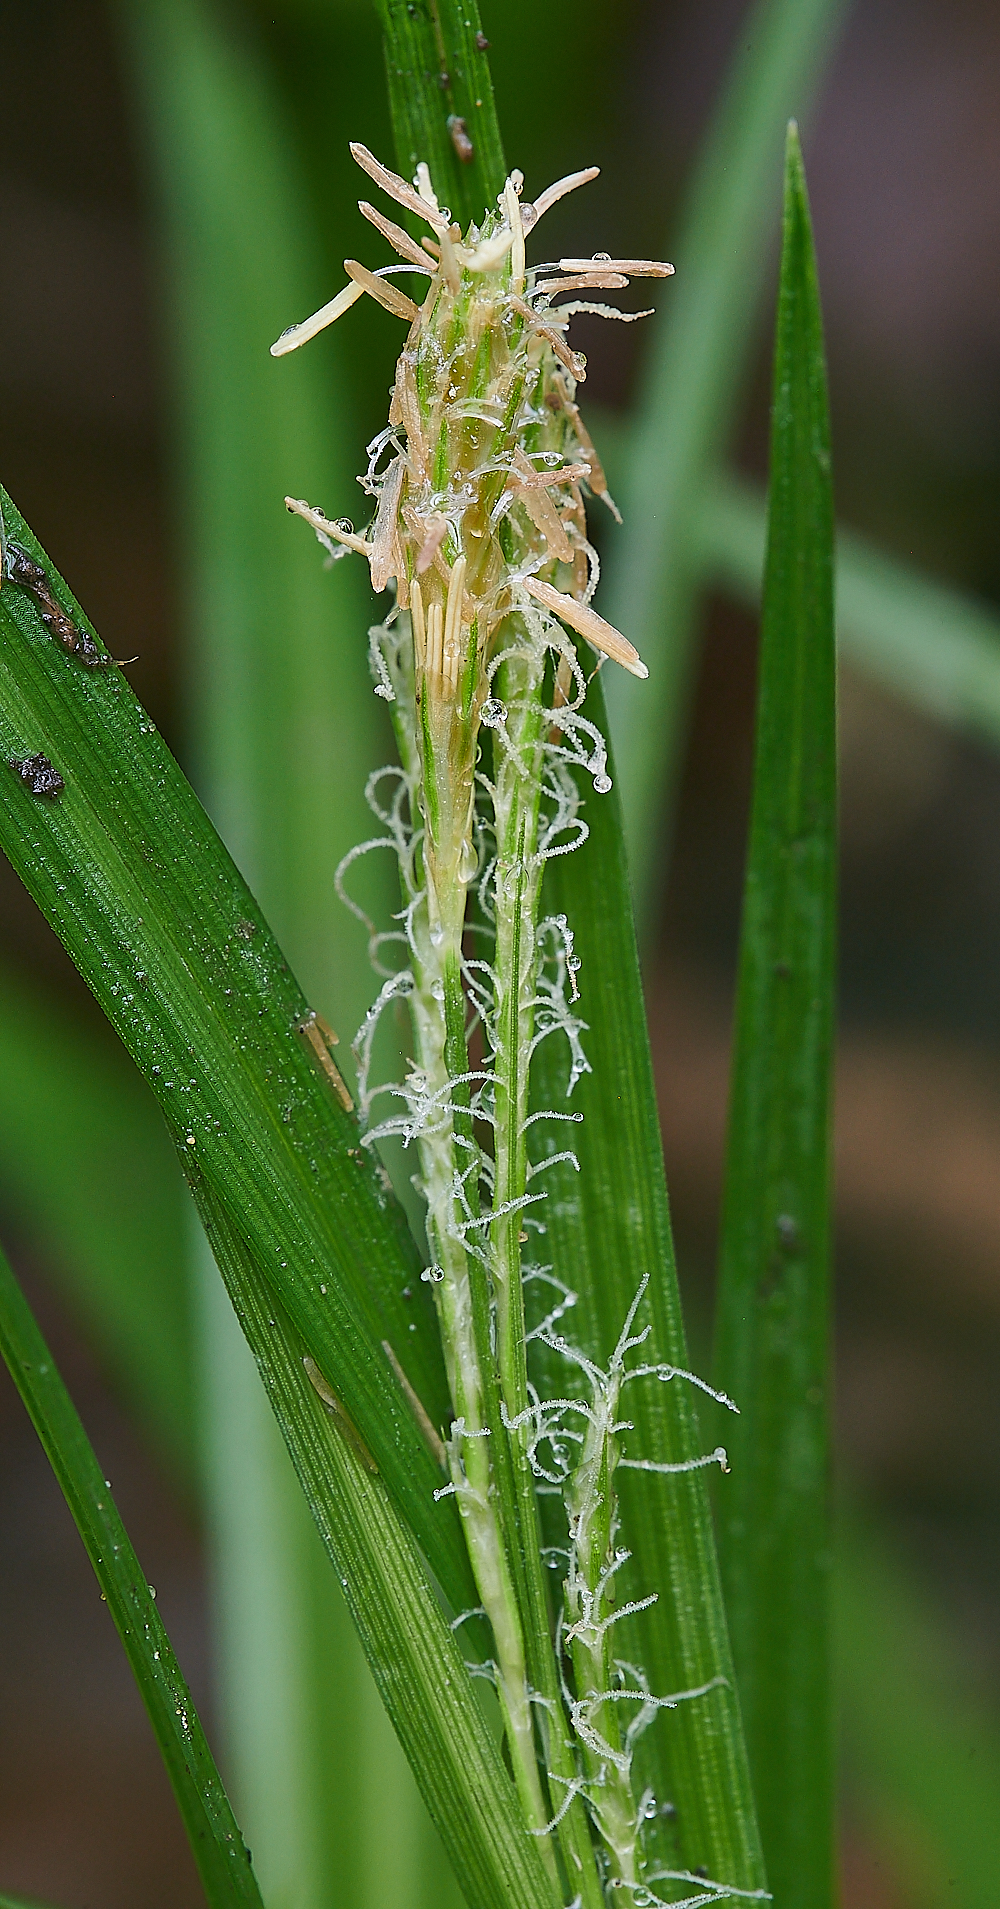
[413, 1653]
[606, 1227]
[930, 645]
[687, 404]
[67, 839]
[218, 1848]
[441, 97]
[129, 872]
[773, 1324]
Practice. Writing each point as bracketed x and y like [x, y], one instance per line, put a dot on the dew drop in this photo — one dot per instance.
[494, 713]
[468, 862]
[602, 784]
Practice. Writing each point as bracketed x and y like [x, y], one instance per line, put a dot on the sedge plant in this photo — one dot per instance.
[480, 522]
[496, 1427]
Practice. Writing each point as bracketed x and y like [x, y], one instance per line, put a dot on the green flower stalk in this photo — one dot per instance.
[478, 485]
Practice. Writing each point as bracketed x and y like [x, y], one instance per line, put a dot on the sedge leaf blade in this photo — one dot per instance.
[605, 1227]
[414, 1655]
[773, 1327]
[129, 872]
[217, 1846]
[441, 100]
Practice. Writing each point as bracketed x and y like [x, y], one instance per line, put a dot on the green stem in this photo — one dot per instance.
[450, 1174]
[517, 889]
[592, 1509]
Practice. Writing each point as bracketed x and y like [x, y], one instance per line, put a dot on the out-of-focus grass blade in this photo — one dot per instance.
[606, 1227]
[88, 1169]
[441, 99]
[688, 401]
[931, 645]
[412, 1651]
[129, 872]
[916, 1736]
[218, 1848]
[773, 1326]
[285, 728]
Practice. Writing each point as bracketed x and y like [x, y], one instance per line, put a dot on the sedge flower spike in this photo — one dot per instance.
[477, 485]
[483, 426]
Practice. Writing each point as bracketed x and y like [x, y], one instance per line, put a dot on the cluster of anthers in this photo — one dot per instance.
[483, 426]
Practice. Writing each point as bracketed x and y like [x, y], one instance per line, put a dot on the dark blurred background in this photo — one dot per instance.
[903, 155]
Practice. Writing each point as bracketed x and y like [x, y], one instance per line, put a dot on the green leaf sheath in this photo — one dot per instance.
[773, 1324]
[605, 1228]
[439, 88]
[689, 402]
[413, 1654]
[131, 875]
[219, 1851]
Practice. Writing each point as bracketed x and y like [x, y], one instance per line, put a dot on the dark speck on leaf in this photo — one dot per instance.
[460, 139]
[30, 576]
[37, 773]
[481, 41]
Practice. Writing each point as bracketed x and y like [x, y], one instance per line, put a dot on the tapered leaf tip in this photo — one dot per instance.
[795, 171]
